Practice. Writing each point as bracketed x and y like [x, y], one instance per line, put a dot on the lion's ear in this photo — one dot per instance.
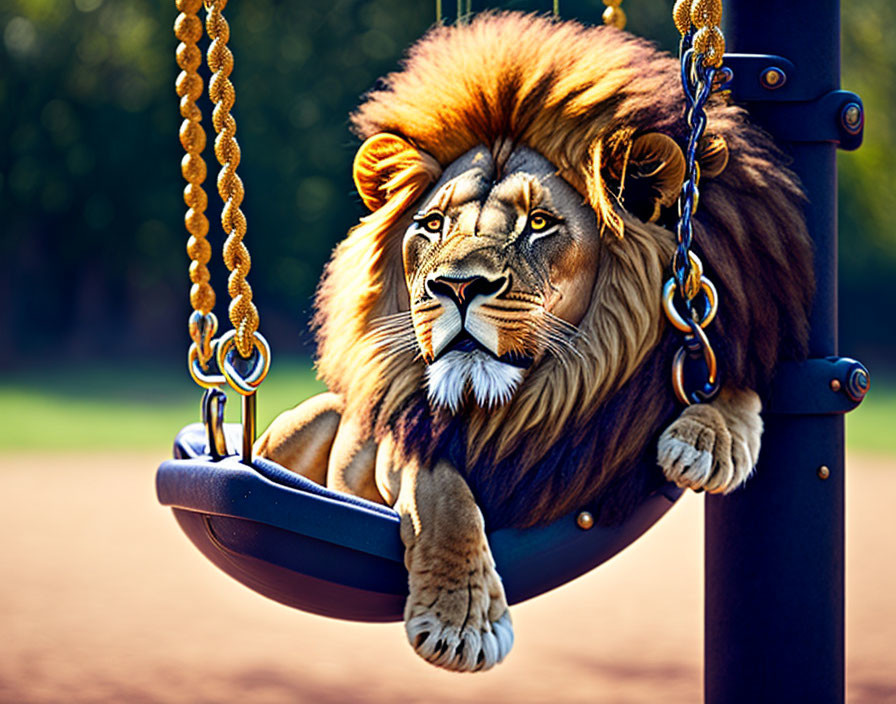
[386, 164]
[648, 174]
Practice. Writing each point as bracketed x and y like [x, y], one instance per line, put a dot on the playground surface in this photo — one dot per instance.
[104, 600]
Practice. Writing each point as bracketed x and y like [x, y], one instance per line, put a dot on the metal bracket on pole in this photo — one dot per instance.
[781, 102]
[755, 77]
[824, 386]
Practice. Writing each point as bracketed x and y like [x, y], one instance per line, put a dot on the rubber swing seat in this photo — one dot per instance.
[329, 553]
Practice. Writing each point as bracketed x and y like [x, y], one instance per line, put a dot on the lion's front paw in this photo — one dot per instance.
[461, 623]
[699, 451]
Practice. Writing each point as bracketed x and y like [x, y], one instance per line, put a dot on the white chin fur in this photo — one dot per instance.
[492, 382]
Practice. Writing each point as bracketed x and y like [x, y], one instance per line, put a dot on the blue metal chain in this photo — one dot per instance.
[696, 80]
[687, 270]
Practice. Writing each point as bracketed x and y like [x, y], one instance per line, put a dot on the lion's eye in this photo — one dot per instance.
[432, 222]
[540, 221]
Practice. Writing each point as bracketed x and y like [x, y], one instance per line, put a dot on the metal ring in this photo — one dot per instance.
[712, 304]
[710, 386]
[206, 378]
[259, 363]
[203, 328]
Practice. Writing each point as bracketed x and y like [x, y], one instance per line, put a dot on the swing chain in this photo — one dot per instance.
[188, 29]
[242, 312]
[701, 51]
[240, 358]
[210, 361]
[699, 23]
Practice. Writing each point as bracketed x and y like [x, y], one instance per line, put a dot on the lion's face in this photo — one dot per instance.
[499, 262]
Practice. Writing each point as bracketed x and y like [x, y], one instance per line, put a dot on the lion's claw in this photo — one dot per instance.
[463, 634]
[467, 650]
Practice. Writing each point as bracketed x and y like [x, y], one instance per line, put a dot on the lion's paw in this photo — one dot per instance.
[462, 625]
[698, 451]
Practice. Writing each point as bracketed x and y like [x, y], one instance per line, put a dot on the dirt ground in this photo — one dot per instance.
[104, 600]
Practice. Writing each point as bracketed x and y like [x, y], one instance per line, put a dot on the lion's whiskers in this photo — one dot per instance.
[393, 334]
[561, 325]
[393, 321]
[557, 336]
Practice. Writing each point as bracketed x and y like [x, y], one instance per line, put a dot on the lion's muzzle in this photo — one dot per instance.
[461, 315]
[466, 350]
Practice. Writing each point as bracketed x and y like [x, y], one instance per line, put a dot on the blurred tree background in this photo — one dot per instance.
[92, 260]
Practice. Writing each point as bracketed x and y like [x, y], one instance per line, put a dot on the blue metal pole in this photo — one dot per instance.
[774, 550]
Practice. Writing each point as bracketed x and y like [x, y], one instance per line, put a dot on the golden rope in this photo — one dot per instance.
[705, 16]
[188, 29]
[614, 15]
[243, 315]
[681, 15]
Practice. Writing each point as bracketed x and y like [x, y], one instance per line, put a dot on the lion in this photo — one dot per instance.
[492, 335]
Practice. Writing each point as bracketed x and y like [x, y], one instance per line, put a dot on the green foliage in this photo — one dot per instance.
[85, 103]
[868, 186]
[90, 181]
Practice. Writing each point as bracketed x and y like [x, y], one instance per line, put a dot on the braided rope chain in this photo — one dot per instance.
[701, 52]
[245, 374]
[202, 324]
[242, 312]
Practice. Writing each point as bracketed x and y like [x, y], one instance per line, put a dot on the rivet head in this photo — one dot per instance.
[773, 78]
[824, 472]
[585, 520]
[835, 384]
[852, 117]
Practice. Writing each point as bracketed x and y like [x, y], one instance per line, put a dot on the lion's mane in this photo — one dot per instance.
[581, 433]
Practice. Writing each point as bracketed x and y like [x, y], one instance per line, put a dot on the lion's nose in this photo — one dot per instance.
[464, 290]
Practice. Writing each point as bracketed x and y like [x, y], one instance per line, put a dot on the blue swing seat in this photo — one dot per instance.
[329, 553]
